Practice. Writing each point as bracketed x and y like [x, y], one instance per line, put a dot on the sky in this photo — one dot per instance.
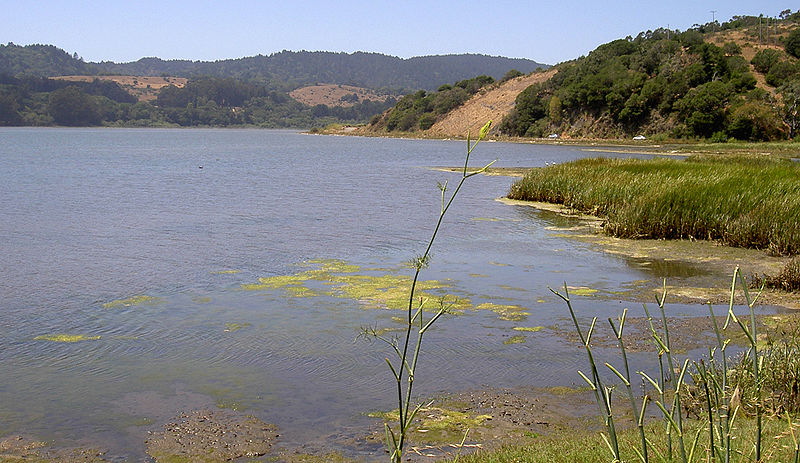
[544, 31]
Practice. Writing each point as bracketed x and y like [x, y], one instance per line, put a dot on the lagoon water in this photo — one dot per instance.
[187, 218]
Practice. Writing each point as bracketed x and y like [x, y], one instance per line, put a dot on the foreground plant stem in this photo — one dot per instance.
[396, 441]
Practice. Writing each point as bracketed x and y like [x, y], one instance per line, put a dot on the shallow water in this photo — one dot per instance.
[148, 238]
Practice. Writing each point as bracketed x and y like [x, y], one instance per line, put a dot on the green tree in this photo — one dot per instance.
[512, 74]
[780, 72]
[70, 106]
[554, 109]
[791, 97]
[426, 121]
[755, 121]
[792, 44]
[703, 108]
[765, 59]
[9, 110]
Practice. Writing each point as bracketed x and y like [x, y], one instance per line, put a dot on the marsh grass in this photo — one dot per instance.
[583, 447]
[743, 201]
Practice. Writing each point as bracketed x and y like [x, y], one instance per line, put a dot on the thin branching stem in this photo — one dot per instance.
[415, 319]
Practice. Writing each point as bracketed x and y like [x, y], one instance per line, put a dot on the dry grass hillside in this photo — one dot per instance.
[335, 95]
[142, 87]
[491, 104]
[749, 41]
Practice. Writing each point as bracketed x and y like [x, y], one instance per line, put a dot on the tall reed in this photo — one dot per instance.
[709, 384]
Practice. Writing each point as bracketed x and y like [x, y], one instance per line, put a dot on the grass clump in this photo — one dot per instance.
[743, 201]
[788, 279]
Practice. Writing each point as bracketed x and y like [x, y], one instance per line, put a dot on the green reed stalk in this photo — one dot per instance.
[663, 378]
[602, 394]
[752, 338]
[722, 394]
[667, 346]
[404, 370]
[794, 439]
[626, 380]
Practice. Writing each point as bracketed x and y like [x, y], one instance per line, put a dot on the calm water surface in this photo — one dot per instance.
[186, 217]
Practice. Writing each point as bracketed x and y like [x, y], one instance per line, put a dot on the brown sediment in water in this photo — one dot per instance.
[211, 436]
[21, 448]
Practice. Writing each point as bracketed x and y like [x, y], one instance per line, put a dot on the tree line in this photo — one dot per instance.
[204, 101]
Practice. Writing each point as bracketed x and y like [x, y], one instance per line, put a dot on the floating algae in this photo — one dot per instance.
[325, 270]
[65, 337]
[301, 291]
[131, 301]
[339, 279]
[515, 340]
[277, 282]
[532, 329]
[513, 288]
[18, 448]
[581, 290]
[333, 265]
[437, 424]
[231, 327]
[512, 313]
[392, 291]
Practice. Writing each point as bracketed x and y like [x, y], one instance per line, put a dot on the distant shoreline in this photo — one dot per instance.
[624, 146]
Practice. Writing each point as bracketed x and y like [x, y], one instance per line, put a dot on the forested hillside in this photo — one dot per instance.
[736, 80]
[673, 84]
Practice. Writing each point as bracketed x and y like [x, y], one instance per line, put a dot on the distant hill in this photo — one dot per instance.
[41, 61]
[370, 70]
[286, 70]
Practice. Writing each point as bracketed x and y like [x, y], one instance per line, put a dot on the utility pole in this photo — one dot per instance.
[713, 17]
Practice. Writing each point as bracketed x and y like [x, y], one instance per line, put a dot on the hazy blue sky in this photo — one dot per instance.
[547, 32]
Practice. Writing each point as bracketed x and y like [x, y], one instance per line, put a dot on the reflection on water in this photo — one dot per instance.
[116, 236]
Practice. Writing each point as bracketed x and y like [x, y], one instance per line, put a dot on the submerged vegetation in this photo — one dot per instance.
[740, 201]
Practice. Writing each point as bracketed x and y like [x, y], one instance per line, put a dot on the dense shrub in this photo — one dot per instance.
[792, 44]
